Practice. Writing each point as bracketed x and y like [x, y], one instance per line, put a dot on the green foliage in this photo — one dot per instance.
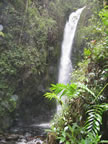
[31, 29]
[104, 141]
[88, 100]
[23, 47]
[70, 91]
[59, 90]
[90, 139]
[87, 52]
[7, 103]
[94, 119]
[2, 34]
[71, 134]
[104, 15]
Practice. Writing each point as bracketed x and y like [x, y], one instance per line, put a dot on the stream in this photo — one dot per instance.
[26, 134]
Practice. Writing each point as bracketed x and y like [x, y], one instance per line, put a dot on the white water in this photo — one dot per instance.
[65, 68]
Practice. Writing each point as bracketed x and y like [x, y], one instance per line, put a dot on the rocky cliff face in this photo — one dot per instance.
[29, 55]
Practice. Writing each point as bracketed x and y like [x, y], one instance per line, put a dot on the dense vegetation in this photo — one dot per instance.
[29, 45]
[83, 118]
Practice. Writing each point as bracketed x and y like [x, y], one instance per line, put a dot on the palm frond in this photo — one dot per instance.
[50, 96]
[57, 88]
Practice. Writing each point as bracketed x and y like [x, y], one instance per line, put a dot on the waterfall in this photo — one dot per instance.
[65, 68]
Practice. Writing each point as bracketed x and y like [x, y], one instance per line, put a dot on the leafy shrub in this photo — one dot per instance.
[88, 98]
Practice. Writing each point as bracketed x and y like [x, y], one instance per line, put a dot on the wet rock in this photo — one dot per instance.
[27, 134]
[12, 137]
[51, 139]
[1, 136]
[36, 141]
[3, 141]
[21, 141]
[27, 138]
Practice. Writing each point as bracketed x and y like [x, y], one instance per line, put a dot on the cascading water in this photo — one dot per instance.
[65, 68]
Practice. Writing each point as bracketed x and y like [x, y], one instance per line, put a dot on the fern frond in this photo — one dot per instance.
[94, 119]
